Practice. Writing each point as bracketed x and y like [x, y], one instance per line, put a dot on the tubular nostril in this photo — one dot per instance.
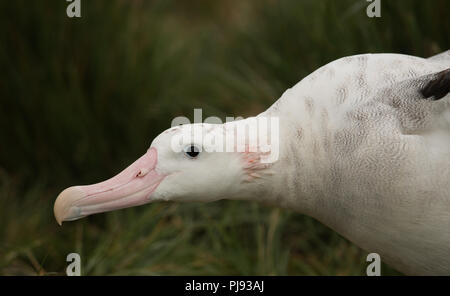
[142, 172]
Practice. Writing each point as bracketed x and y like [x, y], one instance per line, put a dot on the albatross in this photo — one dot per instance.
[363, 147]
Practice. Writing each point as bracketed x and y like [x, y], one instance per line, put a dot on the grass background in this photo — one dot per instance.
[80, 99]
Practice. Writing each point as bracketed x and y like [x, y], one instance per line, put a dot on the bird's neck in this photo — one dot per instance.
[301, 178]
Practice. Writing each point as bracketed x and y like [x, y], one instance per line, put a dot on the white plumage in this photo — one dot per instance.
[372, 156]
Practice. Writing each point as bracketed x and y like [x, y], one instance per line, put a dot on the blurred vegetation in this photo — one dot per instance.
[82, 98]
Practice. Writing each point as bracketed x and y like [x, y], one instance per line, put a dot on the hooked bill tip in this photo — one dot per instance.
[63, 204]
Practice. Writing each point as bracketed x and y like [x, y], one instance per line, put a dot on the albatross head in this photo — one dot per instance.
[185, 163]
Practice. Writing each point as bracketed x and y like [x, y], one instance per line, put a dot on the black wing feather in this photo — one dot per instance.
[438, 87]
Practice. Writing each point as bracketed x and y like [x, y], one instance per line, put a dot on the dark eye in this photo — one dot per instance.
[192, 151]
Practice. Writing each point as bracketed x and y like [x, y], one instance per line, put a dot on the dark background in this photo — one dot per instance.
[82, 98]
